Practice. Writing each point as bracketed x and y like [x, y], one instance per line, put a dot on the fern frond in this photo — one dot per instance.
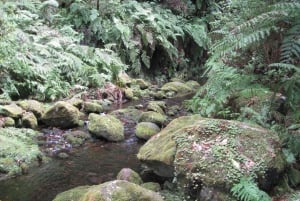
[247, 190]
[290, 48]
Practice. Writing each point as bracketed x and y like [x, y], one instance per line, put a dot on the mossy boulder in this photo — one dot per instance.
[157, 106]
[29, 120]
[33, 106]
[9, 122]
[153, 117]
[145, 130]
[129, 175]
[61, 114]
[213, 152]
[106, 126]
[11, 110]
[18, 151]
[77, 138]
[127, 113]
[142, 84]
[90, 107]
[178, 87]
[118, 190]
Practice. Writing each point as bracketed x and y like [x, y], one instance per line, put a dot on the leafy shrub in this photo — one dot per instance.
[44, 62]
[141, 33]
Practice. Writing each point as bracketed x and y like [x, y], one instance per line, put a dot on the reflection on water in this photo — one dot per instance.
[95, 163]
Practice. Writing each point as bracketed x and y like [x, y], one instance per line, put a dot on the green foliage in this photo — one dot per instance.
[295, 197]
[44, 62]
[212, 98]
[137, 31]
[247, 190]
[246, 47]
[18, 149]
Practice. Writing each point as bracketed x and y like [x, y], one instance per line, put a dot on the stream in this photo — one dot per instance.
[95, 162]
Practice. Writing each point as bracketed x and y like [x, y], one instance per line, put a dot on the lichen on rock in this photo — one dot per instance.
[212, 152]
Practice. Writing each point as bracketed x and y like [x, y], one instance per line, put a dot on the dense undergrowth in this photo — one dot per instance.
[46, 49]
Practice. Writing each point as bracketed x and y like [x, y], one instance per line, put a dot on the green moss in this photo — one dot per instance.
[129, 175]
[117, 190]
[153, 186]
[106, 126]
[73, 194]
[61, 114]
[145, 130]
[157, 106]
[11, 110]
[153, 117]
[33, 106]
[18, 148]
[178, 87]
[90, 107]
[128, 113]
[29, 120]
[212, 152]
[9, 122]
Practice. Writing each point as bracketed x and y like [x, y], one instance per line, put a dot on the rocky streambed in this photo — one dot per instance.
[71, 157]
[85, 143]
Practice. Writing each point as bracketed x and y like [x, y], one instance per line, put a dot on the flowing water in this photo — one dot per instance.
[96, 162]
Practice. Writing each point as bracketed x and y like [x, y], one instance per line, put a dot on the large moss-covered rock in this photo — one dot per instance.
[145, 130]
[33, 106]
[18, 151]
[129, 175]
[177, 87]
[153, 117]
[106, 126]
[118, 190]
[213, 152]
[11, 110]
[29, 120]
[61, 114]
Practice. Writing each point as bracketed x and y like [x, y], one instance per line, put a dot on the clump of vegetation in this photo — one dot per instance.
[145, 34]
[44, 62]
[247, 190]
[18, 151]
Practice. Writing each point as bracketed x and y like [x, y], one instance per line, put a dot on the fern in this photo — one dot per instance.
[247, 190]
